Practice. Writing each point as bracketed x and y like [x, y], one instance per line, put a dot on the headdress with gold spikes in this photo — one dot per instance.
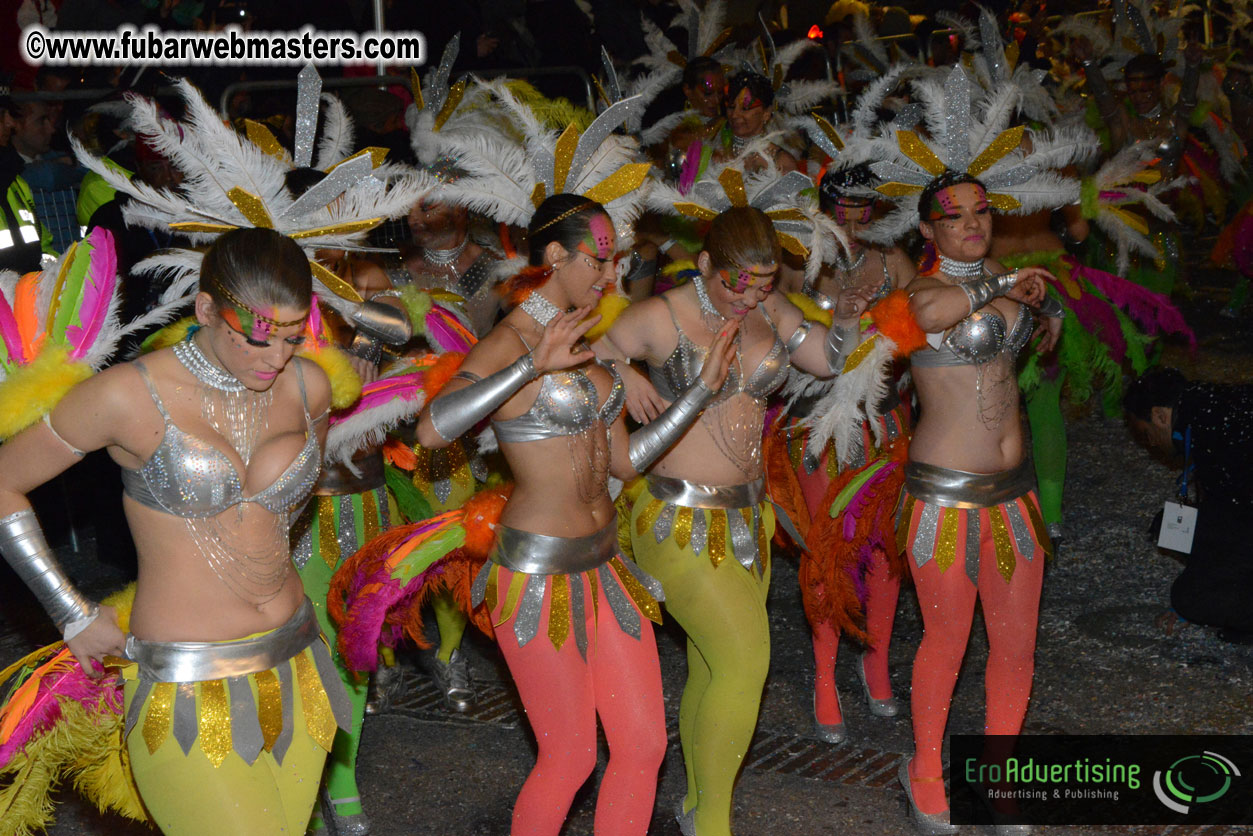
[787, 199]
[968, 133]
[508, 180]
[792, 99]
[232, 181]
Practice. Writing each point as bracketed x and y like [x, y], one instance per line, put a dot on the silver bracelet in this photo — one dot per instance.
[799, 335]
[24, 547]
[654, 438]
[454, 413]
[1051, 308]
[983, 290]
[840, 342]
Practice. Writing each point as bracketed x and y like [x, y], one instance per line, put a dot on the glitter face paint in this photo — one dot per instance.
[744, 278]
[253, 325]
[853, 213]
[946, 207]
[599, 240]
[745, 100]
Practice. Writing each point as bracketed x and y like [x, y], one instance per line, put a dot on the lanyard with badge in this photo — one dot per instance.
[1179, 517]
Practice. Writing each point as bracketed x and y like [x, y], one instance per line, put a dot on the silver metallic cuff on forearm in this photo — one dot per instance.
[983, 290]
[23, 546]
[799, 335]
[840, 342]
[1051, 308]
[654, 438]
[453, 414]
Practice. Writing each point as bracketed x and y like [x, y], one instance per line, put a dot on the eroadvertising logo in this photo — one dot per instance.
[1211, 772]
[1101, 779]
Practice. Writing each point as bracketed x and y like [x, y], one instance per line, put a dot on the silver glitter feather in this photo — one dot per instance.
[246, 736]
[924, 540]
[308, 101]
[602, 127]
[1022, 531]
[698, 531]
[993, 49]
[972, 547]
[526, 620]
[958, 92]
[619, 603]
[435, 93]
[345, 176]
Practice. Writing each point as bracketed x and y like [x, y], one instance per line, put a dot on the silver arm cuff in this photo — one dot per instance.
[654, 438]
[840, 342]
[983, 290]
[23, 546]
[453, 414]
[1052, 308]
[799, 335]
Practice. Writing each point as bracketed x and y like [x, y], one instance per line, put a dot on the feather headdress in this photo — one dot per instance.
[232, 181]
[508, 180]
[787, 199]
[970, 134]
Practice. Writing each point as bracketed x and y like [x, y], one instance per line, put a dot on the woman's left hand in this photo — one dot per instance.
[1050, 331]
[1031, 286]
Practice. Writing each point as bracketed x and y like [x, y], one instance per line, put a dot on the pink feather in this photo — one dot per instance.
[10, 334]
[97, 294]
[383, 391]
[446, 333]
[102, 695]
[1154, 312]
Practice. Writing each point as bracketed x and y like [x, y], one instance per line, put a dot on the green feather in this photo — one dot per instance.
[79, 262]
[413, 506]
[421, 558]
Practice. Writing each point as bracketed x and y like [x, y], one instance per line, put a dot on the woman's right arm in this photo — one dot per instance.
[86, 419]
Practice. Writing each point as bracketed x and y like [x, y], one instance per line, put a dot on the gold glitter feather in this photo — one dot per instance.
[830, 131]
[314, 703]
[643, 600]
[215, 721]
[1004, 143]
[732, 181]
[269, 707]
[786, 215]
[563, 154]
[903, 523]
[1004, 548]
[675, 57]
[693, 210]
[860, 353]
[345, 228]
[626, 179]
[369, 516]
[455, 93]
[328, 542]
[946, 541]
[260, 136]
[489, 597]
[894, 189]
[648, 516]
[538, 194]
[1003, 202]
[682, 531]
[334, 283]
[516, 581]
[251, 207]
[918, 151]
[377, 157]
[415, 87]
[792, 244]
[717, 538]
[160, 718]
[198, 226]
[1148, 176]
[559, 610]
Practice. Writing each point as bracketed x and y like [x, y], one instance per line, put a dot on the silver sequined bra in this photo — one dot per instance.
[681, 369]
[188, 477]
[978, 339]
[565, 405]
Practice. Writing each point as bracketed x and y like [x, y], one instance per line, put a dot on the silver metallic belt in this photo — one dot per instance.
[691, 495]
[199, 661]
[544, 554]
[339, 480]
[960, 489]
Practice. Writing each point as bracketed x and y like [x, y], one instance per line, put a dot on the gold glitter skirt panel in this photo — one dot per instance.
[1010, 529]
[245, 714]
[604, 578]
[740, 533]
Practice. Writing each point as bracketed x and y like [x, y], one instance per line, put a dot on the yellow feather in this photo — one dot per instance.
[809, 309]
[171, 334]
[345, 382]
[609, 308]
[31, 391]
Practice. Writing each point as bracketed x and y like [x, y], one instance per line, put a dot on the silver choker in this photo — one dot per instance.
[960, 269]
[445, 258]
[193, 359]
[851, 266]
[706, 304]
[540, 309]
[738, 143]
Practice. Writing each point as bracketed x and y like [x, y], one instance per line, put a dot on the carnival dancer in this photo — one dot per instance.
[702, 524]
[231, 699]
[570, 614]
[970, 521]
[841, 289]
